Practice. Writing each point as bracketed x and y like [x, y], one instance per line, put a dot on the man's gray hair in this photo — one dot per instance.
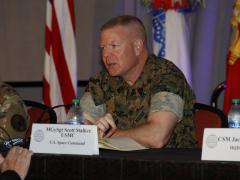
[125, 21]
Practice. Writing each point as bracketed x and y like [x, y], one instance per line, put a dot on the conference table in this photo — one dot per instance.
[150, 164]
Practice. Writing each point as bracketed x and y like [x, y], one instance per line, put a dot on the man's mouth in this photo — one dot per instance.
[111, 65]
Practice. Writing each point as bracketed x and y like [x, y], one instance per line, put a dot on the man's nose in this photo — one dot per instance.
[106, 53]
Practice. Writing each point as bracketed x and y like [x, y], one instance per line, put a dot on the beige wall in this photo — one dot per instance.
[22, 24]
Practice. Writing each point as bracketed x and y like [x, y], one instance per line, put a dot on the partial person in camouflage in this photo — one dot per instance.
[138, 95]
[14, 119]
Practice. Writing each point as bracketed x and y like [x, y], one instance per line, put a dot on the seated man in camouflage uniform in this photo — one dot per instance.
[139, 95]
[14, 119]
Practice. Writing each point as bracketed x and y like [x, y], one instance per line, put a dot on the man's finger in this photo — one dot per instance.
[110, 120]
[104, 122]
[110, 132]
[101, 126]
[87, 122]
[106, 126]
[100, 133]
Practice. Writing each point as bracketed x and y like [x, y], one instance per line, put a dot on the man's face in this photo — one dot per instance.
[118, 53]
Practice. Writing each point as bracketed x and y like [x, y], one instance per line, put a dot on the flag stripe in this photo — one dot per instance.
[72, 12]
[47, 40]
[68, 38]
[60, 74]
[60, 62]
[46, 91]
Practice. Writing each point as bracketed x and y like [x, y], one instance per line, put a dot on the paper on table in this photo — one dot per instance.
[120, 144]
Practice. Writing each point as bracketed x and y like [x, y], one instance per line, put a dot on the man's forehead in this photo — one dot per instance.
[115, 30]
[118, 33]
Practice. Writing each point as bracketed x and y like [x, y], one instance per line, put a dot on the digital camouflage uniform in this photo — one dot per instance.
[130, 105]
[14, 119]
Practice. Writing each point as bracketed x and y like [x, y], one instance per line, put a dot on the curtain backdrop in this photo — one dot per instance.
[22, 39]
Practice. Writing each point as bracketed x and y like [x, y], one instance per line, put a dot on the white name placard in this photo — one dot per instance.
[221, 144]
[64, 139]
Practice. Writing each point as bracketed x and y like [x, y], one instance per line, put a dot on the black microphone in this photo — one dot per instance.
[8, 143]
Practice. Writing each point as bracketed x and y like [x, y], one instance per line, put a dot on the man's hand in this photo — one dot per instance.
[106, 126]
[18, 159]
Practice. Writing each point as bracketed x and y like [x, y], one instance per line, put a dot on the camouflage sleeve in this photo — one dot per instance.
[13, 113]
[91, 111]
[166, 101]
[169, 79]
[8, 97]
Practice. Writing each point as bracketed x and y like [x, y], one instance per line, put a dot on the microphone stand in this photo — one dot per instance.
[39, 120]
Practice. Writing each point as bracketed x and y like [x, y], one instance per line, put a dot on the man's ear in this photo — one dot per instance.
[138, 46]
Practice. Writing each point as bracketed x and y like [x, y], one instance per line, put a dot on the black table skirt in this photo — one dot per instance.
[161, 164]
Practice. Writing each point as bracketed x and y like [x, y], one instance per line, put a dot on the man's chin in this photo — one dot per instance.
[111, 73]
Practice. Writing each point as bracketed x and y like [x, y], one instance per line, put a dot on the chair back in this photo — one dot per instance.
[206, 116]
[39, 113]
[216, 93]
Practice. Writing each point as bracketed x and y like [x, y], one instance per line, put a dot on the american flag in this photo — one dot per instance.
[60, 66]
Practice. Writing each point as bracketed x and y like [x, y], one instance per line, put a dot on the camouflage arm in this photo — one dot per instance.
[166, 101]
[91, 111]
[14, 117]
